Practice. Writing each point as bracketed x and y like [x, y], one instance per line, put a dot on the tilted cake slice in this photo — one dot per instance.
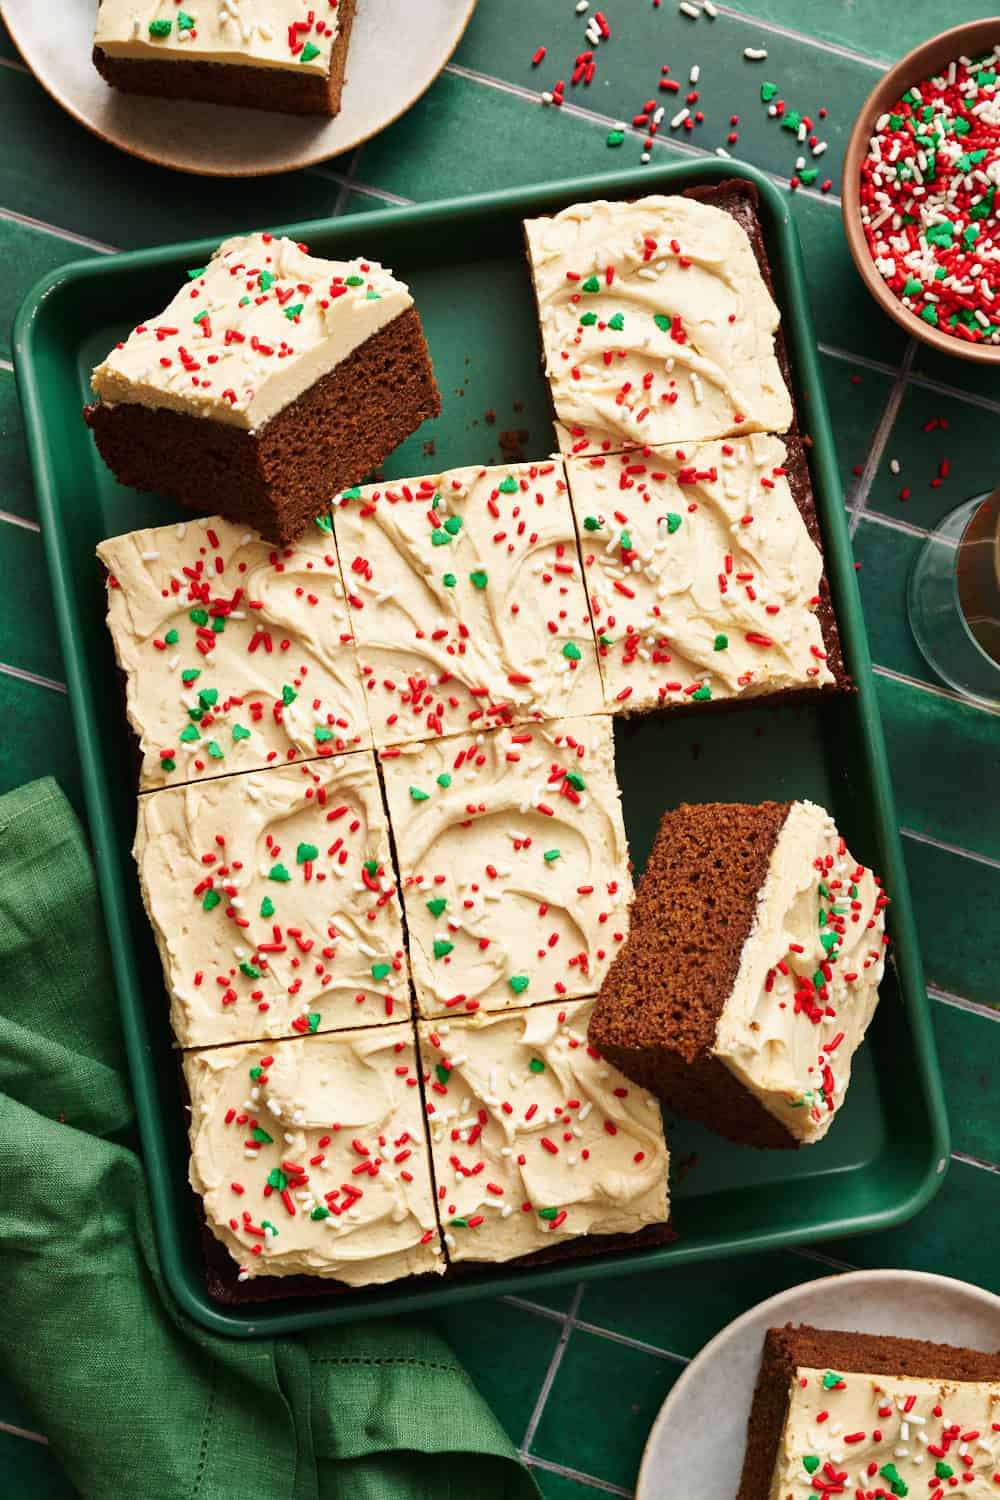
[466, 600]
[865, 1414]
[310, 1156]
[236, 654]
[273, 901]
[704, 573]
[657, 323]
[270, 381]
[285, 55]
[513, 863]
[751, 972]
[535, 1140]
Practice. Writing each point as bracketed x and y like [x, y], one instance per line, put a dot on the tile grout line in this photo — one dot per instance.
[347, 182]
[24, 1432]
[881, 436]
[5, 364]
[824, 1260]
[14, 63]
[878, 518]
[535, 1308]
[631, 1343]
[590, 1480]
[10, 519]
[22, 675]
[959, 1002]
[976, 1161]
[933, 688]
[816, 44]
[553, 1369]
[946, 848]
[13, 217]
[862, 360]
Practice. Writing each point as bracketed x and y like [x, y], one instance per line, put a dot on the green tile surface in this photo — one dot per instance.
[482, 126]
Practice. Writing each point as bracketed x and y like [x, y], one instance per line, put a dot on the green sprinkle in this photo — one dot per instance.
[899, 1486]
[208, 697]
[288, 695]
[291, 313]
[210, 900]
[831, 1379]
[575, 780]
[371, 865]
[278, 872]
[453, 525]
[929, 314]
[381, 971]
[768, 91]
[198, 271]
[459, 1223]
[829, 940]
[615, 137]
[807, 175]
[591, 523]
[314, 1019]
[305, 854]
[219, 624]
[354, 493]
[167, 764]
[961, 126]
[444, 779]
[571, 651]
[189, 675]
[198, 317]
[322, 733]
[551, 854]
[309, 51]
[479, 578]
[985, 78]
[449, 580]
[267, 907]
[519, 983]
[266, 1224]
[943, 1470]
[319, 1212]
[548, 1213]
[625, 542]
[324, 523]
[198, 616]
[354, 281]
[277, 1179]
[267, 280]
[673, 522]
[371, 296]
[810, 1464]
[240, 732]
[215, 750]
[591, 285]
[256, 1072]
[970, 235]
[260, 1135]
[189, 734]
[184, 21]
[617, 322]
[895, 122]
[720, 643]
[442, 947]
[588, 319]
[536, 1065]
[442, 1073]
[436, 905]
[912, 287]
[703, 694]
[159, 28]
[940, 234]
[439, 538]
[250, 970]
[171, 637]
[791, 121]
[418, 795]
[662, 322]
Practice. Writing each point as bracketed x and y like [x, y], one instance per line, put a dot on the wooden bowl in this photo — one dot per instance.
[931, 57]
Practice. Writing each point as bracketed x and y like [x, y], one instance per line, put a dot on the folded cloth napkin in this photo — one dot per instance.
[138, 1402]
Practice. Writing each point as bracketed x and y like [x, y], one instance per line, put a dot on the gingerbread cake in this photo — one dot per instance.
[310, 1157]
[270, 381]
[535, 1141]
[704, 573]
[286, 55]
[839, 1413]
[751, 971]
[466, 600]
[657, 320]
[236, 654]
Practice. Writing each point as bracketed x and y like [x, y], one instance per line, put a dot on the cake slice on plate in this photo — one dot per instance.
[270, 381]
[751, 972]
[870, 1415]
[286, 55]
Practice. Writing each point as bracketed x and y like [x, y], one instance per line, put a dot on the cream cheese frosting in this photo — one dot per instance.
[657, 325]
[702, 578]
[534, 1138]
[513, 862]
[807, 983]
[237, 653]
[273, 900]
[250, 332]
[857, 1434]
[311, 1159]
[466, 600]
[297, 34]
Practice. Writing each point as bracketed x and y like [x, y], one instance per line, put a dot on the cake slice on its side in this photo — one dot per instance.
[272, 380]
[535, 1140]
[704, 573]
[657, 320]
[866, 1414]
[284, 56]
[751, 971]
[310, 1156]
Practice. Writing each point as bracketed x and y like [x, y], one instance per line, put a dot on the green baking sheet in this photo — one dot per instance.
[887, 1151]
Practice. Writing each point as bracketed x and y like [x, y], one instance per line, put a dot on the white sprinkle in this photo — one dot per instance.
[644, 158]
[546, 99]
[710, 10]
[694, 74]
[679, 118]
[894, 466]
[149, 556]
[721, 151]
[819, 148]
[581, 6]
[755, 54]
[687, 9]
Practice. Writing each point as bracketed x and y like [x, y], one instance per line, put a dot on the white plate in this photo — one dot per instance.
[695, 1450]
[397, 49]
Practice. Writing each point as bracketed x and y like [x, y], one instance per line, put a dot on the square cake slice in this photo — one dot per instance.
[751, 972]
[534, 1139]
[657, 322]
[513, 862]
[466, 600]
[704, 573]
[310, 1157]
[865, 1414]
[236, 654]
[273, 901]
[286, 55]
[270, 381]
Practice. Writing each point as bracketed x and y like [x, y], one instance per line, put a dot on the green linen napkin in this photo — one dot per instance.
[138, 1401]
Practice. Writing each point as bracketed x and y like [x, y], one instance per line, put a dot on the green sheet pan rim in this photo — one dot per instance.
[797, 323]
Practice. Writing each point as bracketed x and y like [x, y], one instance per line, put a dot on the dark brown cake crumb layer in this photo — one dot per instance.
[658, 1009]
[787, 1349]
[278, 479]
[247, 87]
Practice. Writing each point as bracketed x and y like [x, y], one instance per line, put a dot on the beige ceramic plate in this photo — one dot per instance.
[695, 1450]
[398, 47]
